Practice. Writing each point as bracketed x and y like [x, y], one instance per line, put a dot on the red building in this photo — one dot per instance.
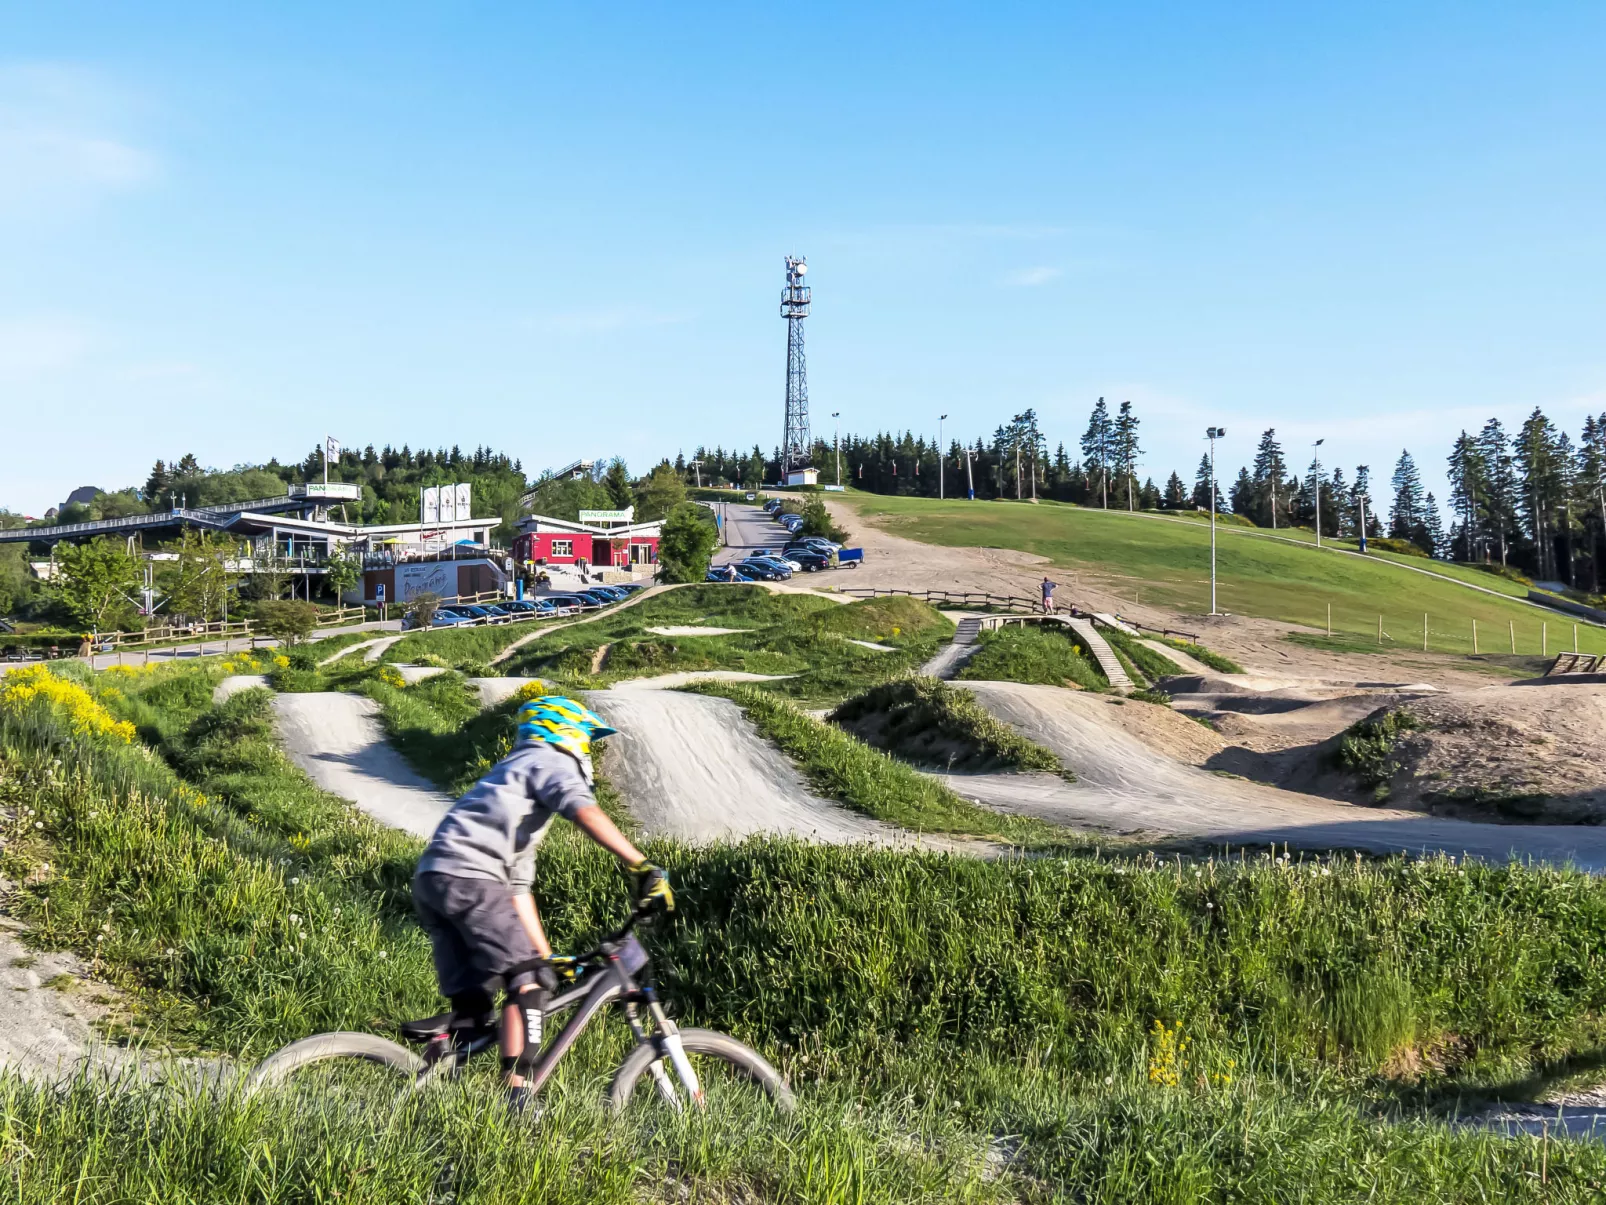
[608, 541]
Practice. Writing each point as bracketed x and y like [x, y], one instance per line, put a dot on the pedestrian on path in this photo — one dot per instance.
[1048, 596]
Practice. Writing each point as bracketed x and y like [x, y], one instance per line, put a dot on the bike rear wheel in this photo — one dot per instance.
[348, 1069]
[725, 1067]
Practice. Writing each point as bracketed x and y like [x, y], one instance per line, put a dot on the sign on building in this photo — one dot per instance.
[427, 577]
[626, 515]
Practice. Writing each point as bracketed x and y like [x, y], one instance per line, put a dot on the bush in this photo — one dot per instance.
[817, 522]
[1366, 748]
[288, 622]
[421, 609]
[1026, 653]
[1402, 547]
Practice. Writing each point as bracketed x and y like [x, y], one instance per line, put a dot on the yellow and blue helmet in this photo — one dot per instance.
[562, 722]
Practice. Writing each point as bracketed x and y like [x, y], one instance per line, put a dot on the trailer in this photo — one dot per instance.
[849, 558]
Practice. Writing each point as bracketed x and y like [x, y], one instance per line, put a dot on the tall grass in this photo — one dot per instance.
[1028, 653]
[926, 721]
[923, 1002]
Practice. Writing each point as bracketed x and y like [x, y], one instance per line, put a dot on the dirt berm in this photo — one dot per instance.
[1505, 753]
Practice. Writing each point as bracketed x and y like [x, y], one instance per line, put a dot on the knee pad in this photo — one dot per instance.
[530, 1005]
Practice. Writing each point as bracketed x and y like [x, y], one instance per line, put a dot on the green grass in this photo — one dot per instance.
[1169, 562]
[931, 723]
[805, 636]
[1149, 665]
[923, 1004]
[870, 781]
[1201, 654]
[1030, 653]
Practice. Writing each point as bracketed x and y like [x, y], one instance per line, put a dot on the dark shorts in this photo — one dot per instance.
[474, 931]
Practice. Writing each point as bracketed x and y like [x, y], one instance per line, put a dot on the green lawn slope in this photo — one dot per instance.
[1168, 563]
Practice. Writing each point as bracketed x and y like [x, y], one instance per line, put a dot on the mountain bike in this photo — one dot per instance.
[685, 1065]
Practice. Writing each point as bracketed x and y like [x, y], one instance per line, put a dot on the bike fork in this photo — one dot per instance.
[667, 1042]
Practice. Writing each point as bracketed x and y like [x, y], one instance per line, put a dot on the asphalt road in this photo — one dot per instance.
[747, 529]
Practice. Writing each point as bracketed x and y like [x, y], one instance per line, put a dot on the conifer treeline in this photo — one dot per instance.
[1534, 501]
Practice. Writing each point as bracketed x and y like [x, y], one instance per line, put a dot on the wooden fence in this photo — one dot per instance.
[1013, 603]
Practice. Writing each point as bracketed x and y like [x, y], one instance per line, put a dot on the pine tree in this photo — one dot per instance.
[1541, 462]
[1269, 475]
[1176, 493]
[1097, 443]
[187, 466]
[617, 482]
[1201, 486]
[1405, 516]
[157, 484]
[1500, 486]
[1124, 449]
[1431, 538]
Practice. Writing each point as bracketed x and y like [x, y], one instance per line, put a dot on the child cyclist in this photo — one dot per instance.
[472, 886]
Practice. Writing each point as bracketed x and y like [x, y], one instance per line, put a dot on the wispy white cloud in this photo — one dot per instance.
[1029, 278]
[60, 140]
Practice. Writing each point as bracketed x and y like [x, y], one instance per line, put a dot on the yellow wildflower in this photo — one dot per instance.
[282, 661]
[81, 709]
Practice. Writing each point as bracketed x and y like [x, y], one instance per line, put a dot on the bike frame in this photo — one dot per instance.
[612, 982]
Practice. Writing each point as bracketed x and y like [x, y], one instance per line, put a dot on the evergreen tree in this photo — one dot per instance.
[1124, 448]
[1097, 446]
[1541, 463]
[1405, 515]
[617, 482]
[1201, 487]
[1272, 496]
[1431, 538]
[157, 485]
[1176, 493]
[1501, 489]
[1360, 501]
[1244, 494]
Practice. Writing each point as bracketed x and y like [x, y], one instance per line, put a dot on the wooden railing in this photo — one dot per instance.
[1014, 603]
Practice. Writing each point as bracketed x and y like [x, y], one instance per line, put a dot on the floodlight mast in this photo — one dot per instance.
[1316, 461]
[797, 445]
[1213, 434]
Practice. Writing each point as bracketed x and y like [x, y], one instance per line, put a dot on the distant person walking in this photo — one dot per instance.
[1048, 596]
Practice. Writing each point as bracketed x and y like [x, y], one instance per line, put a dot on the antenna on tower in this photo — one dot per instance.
[797, 444]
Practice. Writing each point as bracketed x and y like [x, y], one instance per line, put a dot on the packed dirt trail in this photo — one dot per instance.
[338, 741]
[694, 768]
[1124, 786]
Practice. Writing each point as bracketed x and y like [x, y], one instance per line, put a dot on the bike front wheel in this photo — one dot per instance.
[725, 1068]
[349, 1068]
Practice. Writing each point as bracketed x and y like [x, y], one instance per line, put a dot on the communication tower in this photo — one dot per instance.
[797, 445]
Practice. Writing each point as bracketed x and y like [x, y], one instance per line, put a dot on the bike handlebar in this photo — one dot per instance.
[637, 915]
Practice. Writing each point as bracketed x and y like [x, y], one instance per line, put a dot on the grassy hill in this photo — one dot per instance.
[1166, 561]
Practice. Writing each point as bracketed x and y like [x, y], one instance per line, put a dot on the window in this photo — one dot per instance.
[562, 547]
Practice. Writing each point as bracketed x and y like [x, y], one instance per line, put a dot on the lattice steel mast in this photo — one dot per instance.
[797, 445]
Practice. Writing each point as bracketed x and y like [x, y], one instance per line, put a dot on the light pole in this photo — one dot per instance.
[1316, 465]
[1213, 434]
[836, 443]
[940, 419]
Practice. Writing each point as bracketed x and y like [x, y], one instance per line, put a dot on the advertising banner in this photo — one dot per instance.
[448, 503]
[430, 507]
[463, 509]
[428, 577]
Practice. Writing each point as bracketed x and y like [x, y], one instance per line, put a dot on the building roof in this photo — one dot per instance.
[535, 524]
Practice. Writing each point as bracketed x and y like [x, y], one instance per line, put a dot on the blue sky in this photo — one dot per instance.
[559, 230]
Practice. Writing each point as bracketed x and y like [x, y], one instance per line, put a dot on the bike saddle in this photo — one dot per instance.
[429, 1027]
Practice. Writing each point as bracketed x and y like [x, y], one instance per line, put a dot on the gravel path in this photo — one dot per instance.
[693, 767]
[338, 741]
[1124, 786]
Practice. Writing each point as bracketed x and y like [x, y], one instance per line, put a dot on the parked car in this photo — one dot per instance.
[572, 600]
[521, 606]
[750, 496]
[764, 571]
[810, 562]
[810, 544]
[721, 573]
[772, 505]
[617, 593]
[484, 614]
[442, 619]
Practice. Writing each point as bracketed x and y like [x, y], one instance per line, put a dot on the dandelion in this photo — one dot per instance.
[383, 954]
[294, 881]
[1108, 1080]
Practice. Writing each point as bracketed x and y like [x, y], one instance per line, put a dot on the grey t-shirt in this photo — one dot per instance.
[492, 831]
